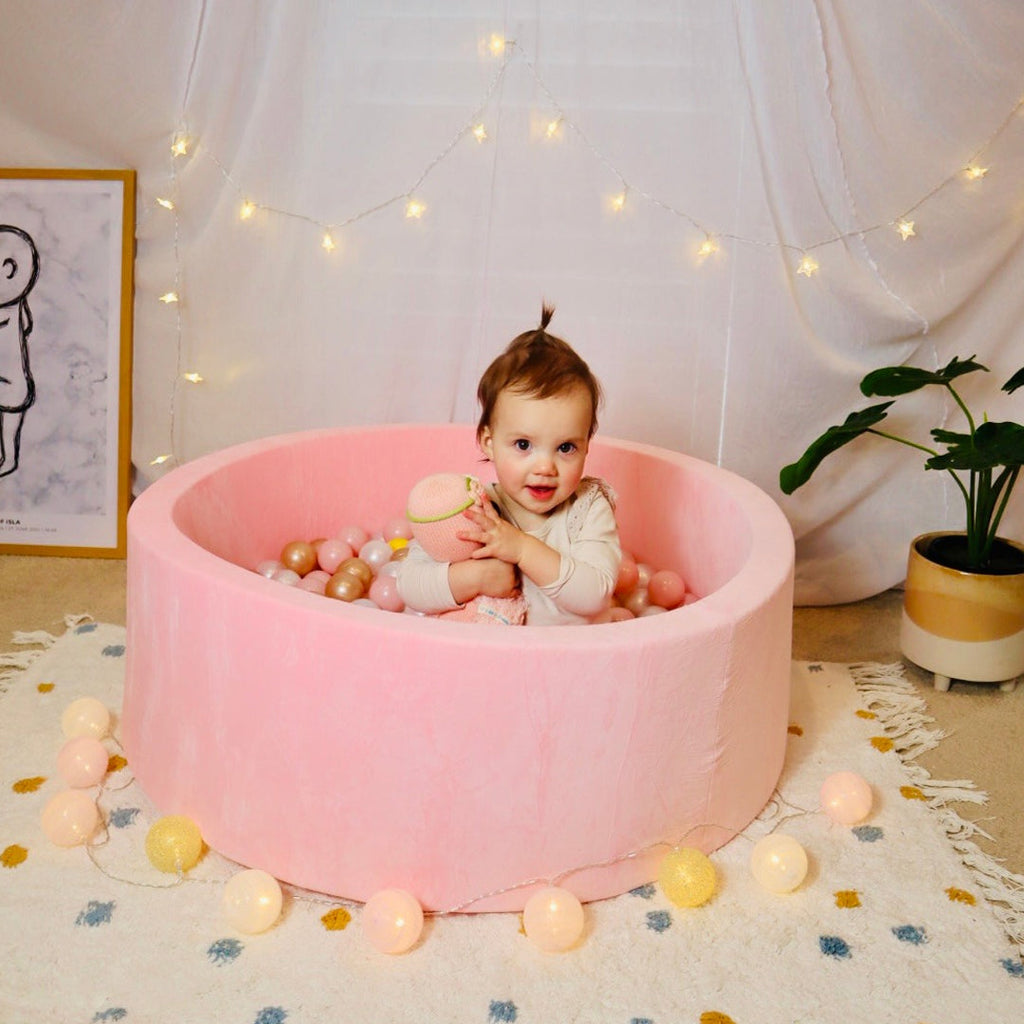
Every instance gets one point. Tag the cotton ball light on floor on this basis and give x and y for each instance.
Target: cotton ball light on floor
(252, 901)
(392, 921)
(85, 717)
(174, 844)
(779, 863)
(553, 919)
(82, 762)
(846, 798)
(687, 877)
(70, 818)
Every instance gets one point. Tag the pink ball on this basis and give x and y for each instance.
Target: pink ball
(376, 553)
(384, 593)
(82, 761)
(392, 921)
(314, 583)
(629, 576)
(70, 818)
(354, 536)
(667, 589)
(331, 553)
(846, 798)
(396, 527)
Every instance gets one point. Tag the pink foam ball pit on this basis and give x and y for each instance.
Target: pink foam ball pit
(348, 750)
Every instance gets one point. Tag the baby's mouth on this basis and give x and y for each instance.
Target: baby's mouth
(541, 493)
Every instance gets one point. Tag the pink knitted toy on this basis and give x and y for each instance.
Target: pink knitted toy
(434, 511)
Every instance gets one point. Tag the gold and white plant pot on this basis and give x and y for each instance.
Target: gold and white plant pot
(962, 625)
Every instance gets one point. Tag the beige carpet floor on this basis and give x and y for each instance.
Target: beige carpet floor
(984, 728)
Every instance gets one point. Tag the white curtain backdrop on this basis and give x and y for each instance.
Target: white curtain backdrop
(778, 129)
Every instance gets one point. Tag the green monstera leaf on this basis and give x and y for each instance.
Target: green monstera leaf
(892, 381)
(993, 444)
(798, 473)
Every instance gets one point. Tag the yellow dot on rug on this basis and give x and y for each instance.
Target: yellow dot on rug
(116, 763)
(28, 785)
(714, 1017)
(847, 899)
(961, 896)
(796, 730)
(13, 856)
(45, 687)
(869, 715)
(882, 743)
(336, 920)
(912, 793)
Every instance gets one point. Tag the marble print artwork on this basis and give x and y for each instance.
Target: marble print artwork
(64, 489)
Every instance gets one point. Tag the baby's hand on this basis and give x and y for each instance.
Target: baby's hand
(497, 538)
(488, 577)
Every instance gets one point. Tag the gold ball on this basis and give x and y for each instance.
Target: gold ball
(344, 586)
(687, 877)
(174, 843)
(358, 568)
(299, 556)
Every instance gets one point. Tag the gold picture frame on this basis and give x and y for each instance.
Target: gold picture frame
(67, 252)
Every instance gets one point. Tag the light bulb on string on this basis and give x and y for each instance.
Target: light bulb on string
(975, 172)
(246, 210)
(905, 228)
(496, 45)
(553, 128)
(327, 242)
(193, 378)
(180, 145)
(480, 133)
(169, 298)
(414, 209)
(167, 204)
(707, 248)
(617, 202)
(159, 460)
(808, 266)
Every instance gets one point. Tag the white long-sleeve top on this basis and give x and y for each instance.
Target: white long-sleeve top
(582, 530)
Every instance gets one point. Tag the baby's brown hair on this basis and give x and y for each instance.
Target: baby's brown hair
(538, 365)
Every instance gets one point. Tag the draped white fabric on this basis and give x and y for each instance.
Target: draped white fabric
(781, 129)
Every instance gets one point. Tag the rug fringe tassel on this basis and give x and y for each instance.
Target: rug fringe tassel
(903, 715)
(13, 663)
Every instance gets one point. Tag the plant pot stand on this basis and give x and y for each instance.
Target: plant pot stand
(962, 625)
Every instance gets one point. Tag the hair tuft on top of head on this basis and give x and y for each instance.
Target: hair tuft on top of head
(546, 313)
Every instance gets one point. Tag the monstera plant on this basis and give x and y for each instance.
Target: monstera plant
(963, 605)
(984, 460)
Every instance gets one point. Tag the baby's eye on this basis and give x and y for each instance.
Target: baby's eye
(522, 444)
(567, 447)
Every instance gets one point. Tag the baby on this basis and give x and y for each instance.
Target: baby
(547, 528)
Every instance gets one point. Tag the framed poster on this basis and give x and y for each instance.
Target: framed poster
(67, 246)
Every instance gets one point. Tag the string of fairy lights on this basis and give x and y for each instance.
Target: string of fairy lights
(552, 125)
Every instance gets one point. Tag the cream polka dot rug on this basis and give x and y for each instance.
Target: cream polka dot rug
(899, 919)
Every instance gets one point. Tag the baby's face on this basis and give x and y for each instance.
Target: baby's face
(539, 448)
(18, 265)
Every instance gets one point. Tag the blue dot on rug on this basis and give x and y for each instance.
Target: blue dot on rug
(832, 945)
(122, 817)
(113, 650)
(271, 1015)
(223, 951)
(868, 833)
(95, 914)
(502, 1012)
(659, 920)
(908, 933)
(1013, 967)
(645, 892)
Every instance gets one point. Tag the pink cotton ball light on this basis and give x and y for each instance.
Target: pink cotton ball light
(85, 717)
(70, 818)
(82, 762)
(392, 921)
(846, 798)
(553, 919)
